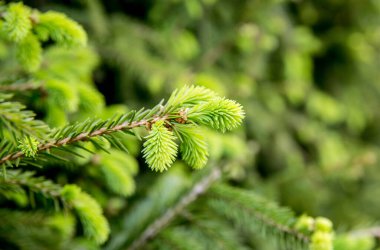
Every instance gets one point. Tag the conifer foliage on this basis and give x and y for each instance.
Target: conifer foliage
(28, 142)
(70, 162)
(28, 28)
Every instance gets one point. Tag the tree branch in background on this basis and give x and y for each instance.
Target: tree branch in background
(153, 229)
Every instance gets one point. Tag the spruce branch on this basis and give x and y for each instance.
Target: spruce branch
(198, 189)
(17, 121)
(23, 87)
(84, 136)
(90, 213)
(253, 212)
(160, 148)
(36, 184)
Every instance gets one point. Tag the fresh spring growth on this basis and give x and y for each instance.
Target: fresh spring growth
(186, 110)
(17, 23)
(60, 29)
(193, 148)
(305, 223)
(323, 225)
(27, 28)
(29, 53)
(29, 146)
(320, 230)
(321, 241)
(322, 238)
(219, 113)
(160, 149)
(89, 212)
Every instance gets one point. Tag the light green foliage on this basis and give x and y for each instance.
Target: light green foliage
(322, 237)
(321, 241)
(63, 223)
(17, 23)
(29, 53)
(189, 96)
(219, 113)
(348, 242)
(90, 100)
(27, 27)
(194, 104)
(118, 169)
(29, 146)
(193, 147)
(63, 95)
(94, 223)
(305, 223)
(160, 149)
(72, 95)
(308, 81)
(292, 65)
(323, 225)
(15, 121)
(319, 229)
(60, 29)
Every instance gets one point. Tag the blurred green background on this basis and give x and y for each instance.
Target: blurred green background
(306, 72)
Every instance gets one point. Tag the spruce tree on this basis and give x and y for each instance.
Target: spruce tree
(70, 162)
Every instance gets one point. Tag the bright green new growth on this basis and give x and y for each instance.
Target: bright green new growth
(60, 29)
(89, 212)
(323, 224)
(27, 28)
(220, 113)
(17, 23)
(29, 53)
(160, 149)
(187, 108)
(193, 147)
(118, 169)
(29, 146)
(322, 238)
(29, 142)
(321, 241)
(189, 96)
(17, 122)
(320, 231)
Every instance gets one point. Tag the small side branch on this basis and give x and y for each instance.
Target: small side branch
(23, 87)
(81, 137)
(36, 184)
(154, 228)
